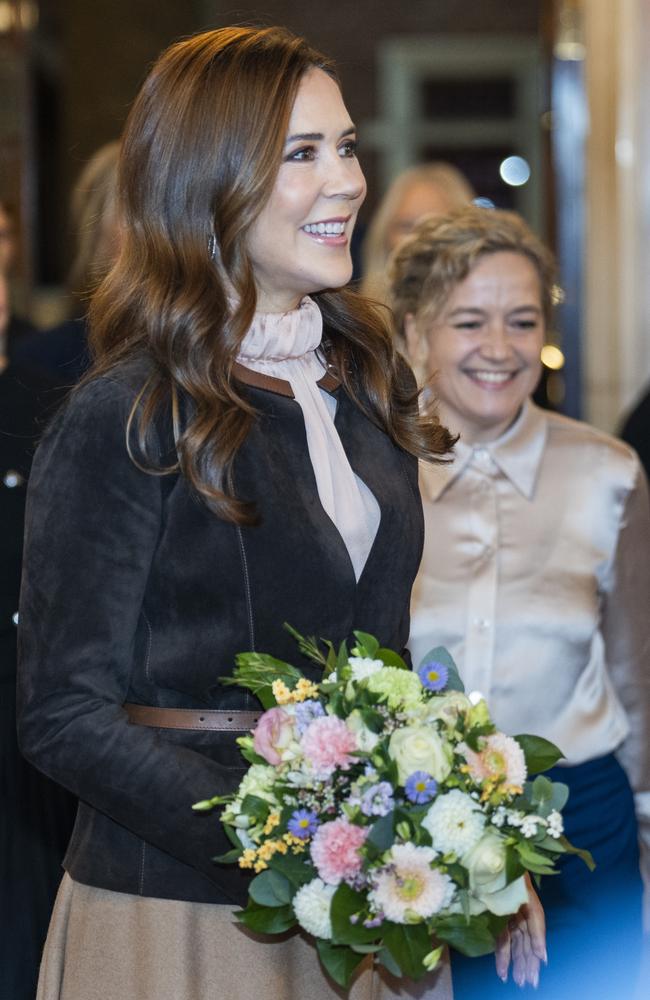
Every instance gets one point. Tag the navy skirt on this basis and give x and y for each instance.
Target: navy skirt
(593, 919)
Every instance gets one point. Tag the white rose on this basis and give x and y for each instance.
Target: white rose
(486, 866)
(419, 748)
(446, 707)
(366, 739)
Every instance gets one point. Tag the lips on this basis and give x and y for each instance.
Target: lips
(328, 231)
(491, 379)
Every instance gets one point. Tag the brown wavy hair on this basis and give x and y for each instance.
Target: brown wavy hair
(200, 154)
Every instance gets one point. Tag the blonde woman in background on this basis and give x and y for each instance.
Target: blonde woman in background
(427, 189)
(62, 351)
(535, 575)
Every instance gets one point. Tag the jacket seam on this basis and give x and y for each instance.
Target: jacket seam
(247, 587)
(147, 660)
(142, 864)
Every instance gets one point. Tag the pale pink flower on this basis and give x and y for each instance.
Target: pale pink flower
(335, 850)
(501, 760)
(327, 744)
(273, 734)
(409, 885)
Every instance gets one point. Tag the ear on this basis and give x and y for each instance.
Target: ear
(412, 338)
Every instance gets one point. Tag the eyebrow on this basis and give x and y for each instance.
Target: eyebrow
(481, 312)
(317, 136)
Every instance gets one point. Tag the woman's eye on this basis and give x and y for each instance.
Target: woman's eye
(525, 324)
(305, 153)
(349, 148)
(470, 324)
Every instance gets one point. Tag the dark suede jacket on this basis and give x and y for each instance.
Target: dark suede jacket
(134, 592)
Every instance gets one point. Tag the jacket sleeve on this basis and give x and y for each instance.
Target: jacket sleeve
(626, 632)
(92, 525)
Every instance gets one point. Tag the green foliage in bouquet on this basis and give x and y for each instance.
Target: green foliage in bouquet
(383, 812)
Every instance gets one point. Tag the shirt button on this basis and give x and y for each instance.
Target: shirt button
(14, 618)
(482, 624)
(12, 479)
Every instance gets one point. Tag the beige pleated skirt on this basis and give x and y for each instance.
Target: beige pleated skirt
(111, 946)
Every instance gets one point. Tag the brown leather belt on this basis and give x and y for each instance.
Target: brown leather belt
(219, 720)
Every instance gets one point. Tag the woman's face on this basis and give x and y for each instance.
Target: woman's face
(484, 346)
(422, 197)
(300, 243)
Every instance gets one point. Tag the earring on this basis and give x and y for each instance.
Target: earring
(212, 247)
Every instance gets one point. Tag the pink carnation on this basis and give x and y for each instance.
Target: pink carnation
(335, 850)
(273, 734)
(327, 744)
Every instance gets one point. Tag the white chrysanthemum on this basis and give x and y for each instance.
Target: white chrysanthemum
(363, 666)
(409, 886)
(311, 904)
(455, 822)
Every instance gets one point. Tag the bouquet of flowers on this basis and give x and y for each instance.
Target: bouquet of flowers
(383, 812)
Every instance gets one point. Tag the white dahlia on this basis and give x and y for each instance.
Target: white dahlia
(311, 904)
(455, 822)
(409, 887)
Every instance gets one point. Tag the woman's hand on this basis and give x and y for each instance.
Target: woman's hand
(523, 942)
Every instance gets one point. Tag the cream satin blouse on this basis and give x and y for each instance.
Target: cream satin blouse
(536, 577)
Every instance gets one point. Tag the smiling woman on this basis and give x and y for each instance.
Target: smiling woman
(535, 576)
(242, 454)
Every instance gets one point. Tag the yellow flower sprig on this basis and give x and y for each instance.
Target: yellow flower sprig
(303, 690)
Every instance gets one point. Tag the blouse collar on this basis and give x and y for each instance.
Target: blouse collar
(517, 453)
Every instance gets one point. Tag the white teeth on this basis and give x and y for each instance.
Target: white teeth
(495, 377)
(325, 228)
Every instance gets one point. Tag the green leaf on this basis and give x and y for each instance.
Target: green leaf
(442, 655)
(296, 868)
(473, 939)
(345, 904)
(540, 754)
(391, 659)
(533, 860)
(257, 671)
(255, 807)
(514, 867)
(308, 645)
(250, 755)
(342, 657)
(270, 888)
(367, 645)
(265, 919)
(389, 963)
(338, 961)
(382, 833)
(229, 857)
(579, 852)
(409, 946)
(372, 719)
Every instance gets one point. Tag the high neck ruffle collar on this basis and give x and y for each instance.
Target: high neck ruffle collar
(278, 337)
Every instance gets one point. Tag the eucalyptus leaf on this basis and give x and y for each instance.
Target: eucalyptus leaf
(442, 655)
(270, 888)
(267, 919)
(382, 832)
(338, 961)
(579, 852)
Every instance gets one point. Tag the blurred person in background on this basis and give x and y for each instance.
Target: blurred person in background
(36, 816)
(636, 429)
(535, 575)
(12, 328)
(63, 350)
(427, 189)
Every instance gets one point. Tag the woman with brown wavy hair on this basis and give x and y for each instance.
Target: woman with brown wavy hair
(243, 453)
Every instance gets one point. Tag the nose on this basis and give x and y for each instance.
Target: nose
(496, 345)
(344, 179)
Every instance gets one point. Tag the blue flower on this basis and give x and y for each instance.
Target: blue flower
(303, 823)
(433, 675)
(420, 787)
(378, 800)
(306, 712)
